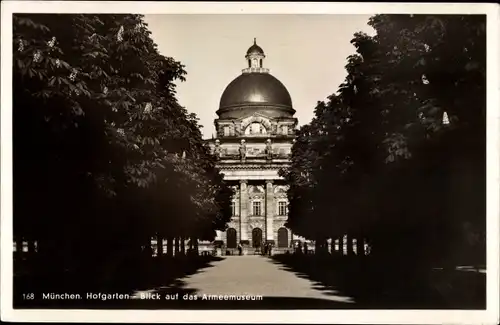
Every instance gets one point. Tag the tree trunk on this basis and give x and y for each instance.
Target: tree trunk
(159, 244)
(170, 244)
(19, 246)
(183, 246)
(359, 246)
(196, 250)
(351, 245)
(177, 246)
(321, 246)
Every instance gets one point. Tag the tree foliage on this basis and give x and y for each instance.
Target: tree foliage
(379, 161)
(104, 155)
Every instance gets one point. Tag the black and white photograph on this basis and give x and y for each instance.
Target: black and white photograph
(248, 157)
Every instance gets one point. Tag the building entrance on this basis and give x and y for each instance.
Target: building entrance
(256, 237)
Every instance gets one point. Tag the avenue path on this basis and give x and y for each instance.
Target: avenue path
(256, 275)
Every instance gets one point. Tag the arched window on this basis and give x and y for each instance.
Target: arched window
(231, 238)
(282, 237)
(255, 128)
(256, 237)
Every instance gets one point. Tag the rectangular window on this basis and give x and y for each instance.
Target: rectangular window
(233, 208)
(256, 208)
(282, 208)
(226, 130)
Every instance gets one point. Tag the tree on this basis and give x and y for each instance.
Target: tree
(381, 163)
(104, 154)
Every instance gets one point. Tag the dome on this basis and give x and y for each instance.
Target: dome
(252, 92)
(255, 90)
(255, 49)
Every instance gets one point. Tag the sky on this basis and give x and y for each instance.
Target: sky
(307, 53)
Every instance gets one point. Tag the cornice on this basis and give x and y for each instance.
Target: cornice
(253, 161)
(251, 167)
(257, 139)
(243, 106)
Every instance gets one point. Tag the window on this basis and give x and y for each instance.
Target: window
(282, 208)
(226, 130)
(256, 208)
(285, 129)
(233, 208)
(255, 128)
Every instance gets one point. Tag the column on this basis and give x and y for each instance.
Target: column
(243, 210)
(269, 210)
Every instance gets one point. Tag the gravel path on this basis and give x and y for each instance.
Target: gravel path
(256, 275)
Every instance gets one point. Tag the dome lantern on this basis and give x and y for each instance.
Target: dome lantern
(255, 59)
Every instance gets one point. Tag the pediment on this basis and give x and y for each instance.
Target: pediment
(254, 115)
(256, 118)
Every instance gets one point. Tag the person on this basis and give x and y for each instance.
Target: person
(240, 249)
(270, 249)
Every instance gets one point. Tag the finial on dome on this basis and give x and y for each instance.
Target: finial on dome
(255, 41)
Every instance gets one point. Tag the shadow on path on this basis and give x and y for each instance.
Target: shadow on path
(165, 288)
(388, 285)
(163, 284)
(96, 288)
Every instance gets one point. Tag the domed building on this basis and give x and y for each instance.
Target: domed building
(255, 131)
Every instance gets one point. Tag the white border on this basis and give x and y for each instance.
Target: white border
(490, 316)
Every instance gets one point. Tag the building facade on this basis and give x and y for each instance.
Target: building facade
(255, 133)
